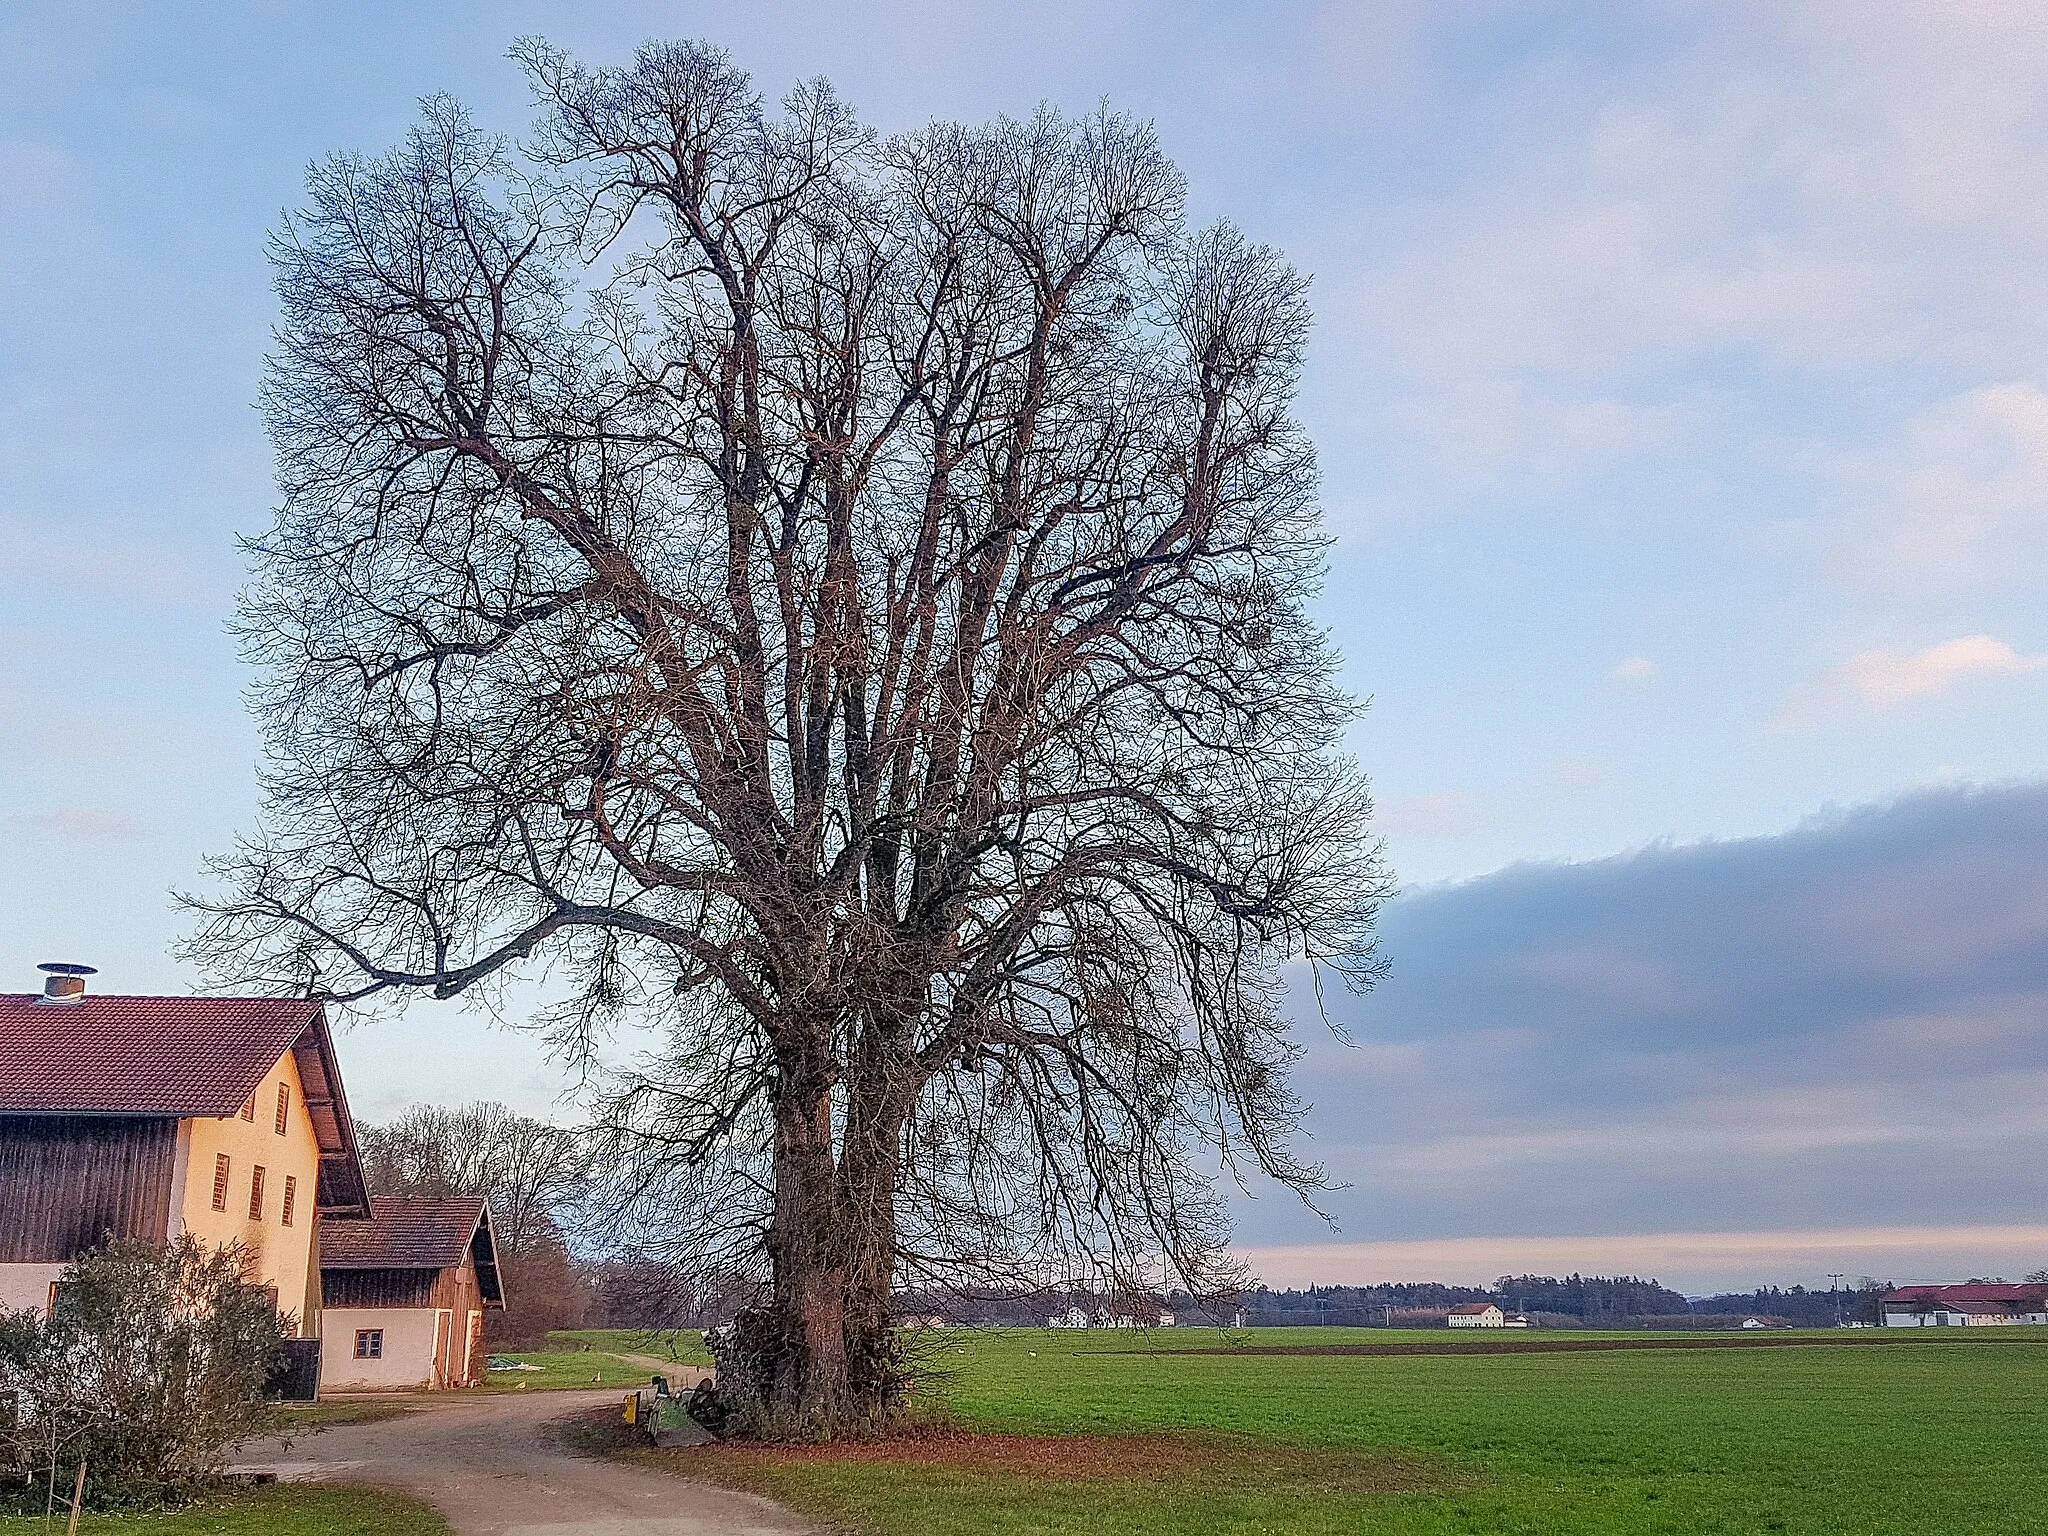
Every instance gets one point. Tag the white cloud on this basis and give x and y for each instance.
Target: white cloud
(1831, 197)
(1637, 669)
(1873, 681)
(1969, 497)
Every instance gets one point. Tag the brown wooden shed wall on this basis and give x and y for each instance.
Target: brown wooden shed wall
(67, 1182)
(378, 1287)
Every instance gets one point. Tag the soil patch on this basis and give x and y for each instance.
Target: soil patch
(1565, 1344)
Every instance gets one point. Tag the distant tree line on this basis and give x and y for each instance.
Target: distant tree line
(1587, 1301)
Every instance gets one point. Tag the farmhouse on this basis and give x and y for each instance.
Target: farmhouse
(1964, 1306)
(1478, 1314)
(149, 1117)
(406, 1294)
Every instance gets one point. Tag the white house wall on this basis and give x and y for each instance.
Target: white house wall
(26, 1287)
(409, 1339)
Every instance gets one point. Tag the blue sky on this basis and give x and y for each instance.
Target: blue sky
(1679, 381)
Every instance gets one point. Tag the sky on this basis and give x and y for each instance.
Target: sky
(1681, 389)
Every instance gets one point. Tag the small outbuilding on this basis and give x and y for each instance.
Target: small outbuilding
(404, 1296)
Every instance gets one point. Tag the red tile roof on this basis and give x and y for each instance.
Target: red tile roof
(179, 1058)
(405, 1233)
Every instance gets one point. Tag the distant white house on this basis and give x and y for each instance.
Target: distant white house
(1754, 1322)
(1965, 1306)
(1479, 1314)
(1075, 1317)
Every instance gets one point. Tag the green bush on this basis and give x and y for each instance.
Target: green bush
(149, 1368)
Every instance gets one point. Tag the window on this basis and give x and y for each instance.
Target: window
(256, 1194)
(291, 1199)
(220, 1181)
(249, 1109)
(369, 1343)
(284, 1106)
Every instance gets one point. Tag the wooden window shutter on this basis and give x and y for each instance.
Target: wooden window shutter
(249, 1108)
(284, 1106)
(291, 1199)
(256, 1194)
(220, 1181)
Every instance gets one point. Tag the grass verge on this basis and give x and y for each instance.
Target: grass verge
(310, 1418)
(284, 1510)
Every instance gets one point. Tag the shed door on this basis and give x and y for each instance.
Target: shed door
(441, 1320)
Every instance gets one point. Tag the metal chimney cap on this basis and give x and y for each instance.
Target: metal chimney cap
(66, 982)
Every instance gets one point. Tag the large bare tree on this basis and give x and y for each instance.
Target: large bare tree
(838, 603)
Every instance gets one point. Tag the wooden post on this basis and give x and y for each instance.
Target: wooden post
(77, 1498)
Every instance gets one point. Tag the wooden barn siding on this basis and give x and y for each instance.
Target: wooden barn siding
(456, 1288)
(378, 1287)
(68, 1181)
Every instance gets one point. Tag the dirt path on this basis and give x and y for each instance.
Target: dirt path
(491, 1465)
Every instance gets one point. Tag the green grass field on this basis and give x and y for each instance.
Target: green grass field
(1923, 1435)
(685, 1346)
(566, 1369)
(279, 1511)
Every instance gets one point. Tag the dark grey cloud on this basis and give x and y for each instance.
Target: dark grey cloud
(1843, 1025)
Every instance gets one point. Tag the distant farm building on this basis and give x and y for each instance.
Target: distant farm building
(406, 1294)
(1479, 1314)
(1964, 1306)
(1103, 1317)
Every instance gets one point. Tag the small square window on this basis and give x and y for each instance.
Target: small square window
(369, 1343)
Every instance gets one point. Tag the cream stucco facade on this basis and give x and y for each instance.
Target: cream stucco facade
(26, 1287)
(415, 1342)
(284, 1254)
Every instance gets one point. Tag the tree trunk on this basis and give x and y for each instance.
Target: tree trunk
(867, 1192)
(820, 1361)
(805, 1383)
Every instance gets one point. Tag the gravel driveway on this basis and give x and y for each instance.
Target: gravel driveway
(491, 1467)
